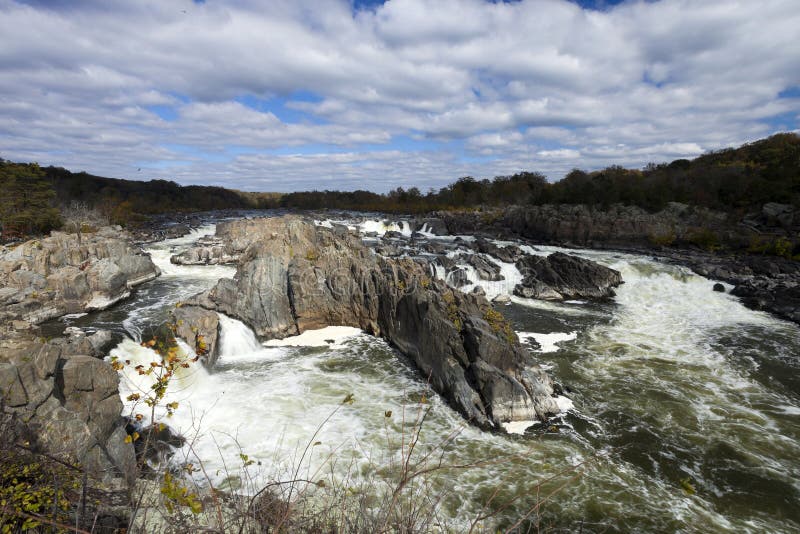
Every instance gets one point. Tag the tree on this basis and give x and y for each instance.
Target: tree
(26, 205)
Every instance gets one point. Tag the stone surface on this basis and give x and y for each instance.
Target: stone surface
(69, 273)
(561, 276)
(209, 250)
(68, 399)
(294, 277)
(199, 327)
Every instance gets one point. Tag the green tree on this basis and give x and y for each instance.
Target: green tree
(26, 205)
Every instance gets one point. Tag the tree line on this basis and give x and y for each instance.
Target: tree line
(733, 179)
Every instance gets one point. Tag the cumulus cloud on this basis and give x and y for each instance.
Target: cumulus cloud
(299, 94)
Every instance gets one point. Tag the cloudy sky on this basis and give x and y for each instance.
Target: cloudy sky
(282, 95)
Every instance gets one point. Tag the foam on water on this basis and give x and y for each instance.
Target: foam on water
(547, 342)
(383, 226)
(330, 336)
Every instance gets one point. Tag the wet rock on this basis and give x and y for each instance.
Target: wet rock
(431, 225)
(199, 328)
(487, 270)
(294, 277)
(506, 254)
(719, 288)
(457, 277)
(617, 225)
(561, 276)
(502, 298)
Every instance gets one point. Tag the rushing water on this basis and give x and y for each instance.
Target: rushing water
(685, 405)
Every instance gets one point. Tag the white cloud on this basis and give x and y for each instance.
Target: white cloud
(536, 84)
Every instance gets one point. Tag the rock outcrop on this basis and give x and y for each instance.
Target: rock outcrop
(582, 225)
(199, 327)
(294, 277)
(209, 250)
(562, 276)
(68, 398)
(69, 273)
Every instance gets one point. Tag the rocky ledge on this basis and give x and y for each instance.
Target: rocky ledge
(294, 276)
(65, 400)
(69, 273)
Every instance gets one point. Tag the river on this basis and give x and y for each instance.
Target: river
(682, 407)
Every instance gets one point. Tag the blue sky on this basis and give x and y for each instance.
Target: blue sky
(334, 94)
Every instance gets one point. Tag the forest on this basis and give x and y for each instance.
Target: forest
(733, 179)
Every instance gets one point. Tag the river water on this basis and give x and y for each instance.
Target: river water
(682, 408)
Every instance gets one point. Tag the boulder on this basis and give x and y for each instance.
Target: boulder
(457, 277)
(199, 328)
(431, 225)
(507, 254)
(294, 277)
(68, 399)
(561, 276)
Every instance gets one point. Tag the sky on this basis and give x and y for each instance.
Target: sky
(288, 95)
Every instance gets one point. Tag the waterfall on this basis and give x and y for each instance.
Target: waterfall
(236, 338)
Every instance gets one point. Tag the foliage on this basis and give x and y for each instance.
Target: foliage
(499, 324)
(704, 238)
(26, 203)
(452, 309)
(35, 490)
(772, 247)
(732, 179)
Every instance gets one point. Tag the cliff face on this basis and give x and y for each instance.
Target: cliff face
(577, 224)
(69, 273)
(294, 276)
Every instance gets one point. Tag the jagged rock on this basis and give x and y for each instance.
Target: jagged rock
(69, 273)
(561, 276)
(199, 327)
(69, 400)
(457, 277)
(616, 225)
(209, 250)
(294, 277)
(487, 270)
(507, 254)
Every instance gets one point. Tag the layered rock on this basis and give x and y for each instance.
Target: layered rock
(68, 398)
(209, 250)
(294, 277)
(562, 276)
(69, 273)
(614, 226)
